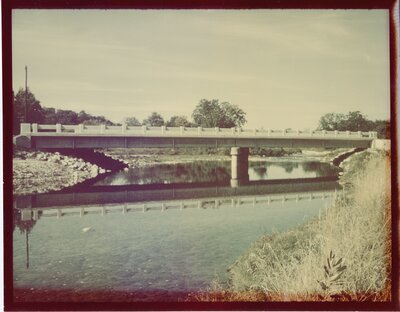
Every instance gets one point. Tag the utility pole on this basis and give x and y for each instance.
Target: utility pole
(26, 93)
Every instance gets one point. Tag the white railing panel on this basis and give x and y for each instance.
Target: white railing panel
(69, 127)
(46, 127)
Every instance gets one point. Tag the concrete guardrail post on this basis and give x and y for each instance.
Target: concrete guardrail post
(26, 214)
(34, 128)
(233, 129)
(359, 134)
(324, 132)
(348, 133)
(311, 132)
(181, 129)
(297, 132)
(58, 128)
(336, 133)
(144, 129)
(124, 127)
(25, 128)
(284, 132)
(268, 131)
(162, 129)
(216, 129)
(80, 128)
(102, 129)
(255, 131)
(199, 129)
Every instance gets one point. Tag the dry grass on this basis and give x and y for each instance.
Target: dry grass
(343, 255)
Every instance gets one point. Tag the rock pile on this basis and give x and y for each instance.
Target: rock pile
(38, 171)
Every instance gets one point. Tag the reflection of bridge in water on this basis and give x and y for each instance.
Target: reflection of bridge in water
(180, 196)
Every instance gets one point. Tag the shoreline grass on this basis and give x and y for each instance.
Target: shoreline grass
(343, 255)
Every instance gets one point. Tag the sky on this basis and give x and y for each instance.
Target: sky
(284, 68)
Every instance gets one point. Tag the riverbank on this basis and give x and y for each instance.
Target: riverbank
(342, 255)
(40, 172)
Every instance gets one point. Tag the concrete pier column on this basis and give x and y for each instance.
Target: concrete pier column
(239, 165)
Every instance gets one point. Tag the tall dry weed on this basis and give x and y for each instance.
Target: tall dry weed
(342, 255)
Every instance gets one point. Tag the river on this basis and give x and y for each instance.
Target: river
(169, 227)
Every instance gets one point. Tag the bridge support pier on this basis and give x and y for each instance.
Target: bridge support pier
(239, 165)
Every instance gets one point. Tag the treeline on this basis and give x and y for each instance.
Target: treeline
(33, 112)
(206, 114)
(354, 121)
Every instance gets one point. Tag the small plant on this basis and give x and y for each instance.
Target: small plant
(333, 270)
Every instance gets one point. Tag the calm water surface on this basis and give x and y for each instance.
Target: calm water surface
(175, 249)
(210, 171)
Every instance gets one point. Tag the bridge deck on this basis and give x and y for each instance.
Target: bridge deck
(102, 136)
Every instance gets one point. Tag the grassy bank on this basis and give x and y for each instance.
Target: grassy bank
(344, 254)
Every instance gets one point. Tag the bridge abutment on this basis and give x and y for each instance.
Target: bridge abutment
(239, 165)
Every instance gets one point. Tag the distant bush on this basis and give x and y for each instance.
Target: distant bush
(354, 121)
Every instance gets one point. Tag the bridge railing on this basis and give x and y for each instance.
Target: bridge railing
(33, 129)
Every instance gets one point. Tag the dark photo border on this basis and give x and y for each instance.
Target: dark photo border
(9, 5)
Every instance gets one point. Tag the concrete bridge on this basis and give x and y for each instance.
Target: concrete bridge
(102, 136)
(129, 198)
(239, 140)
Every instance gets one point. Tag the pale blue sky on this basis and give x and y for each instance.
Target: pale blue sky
(285, 68)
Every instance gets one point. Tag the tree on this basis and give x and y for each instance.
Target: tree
(132, 121)
(50, 115)
(33, 110)
(35, 113)
(232, 116)
(155, 120)
(331, 121)
(383, 128)
(354, 121)
(98, 120)
(214, 114)
(178, 121)
(67, 117)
